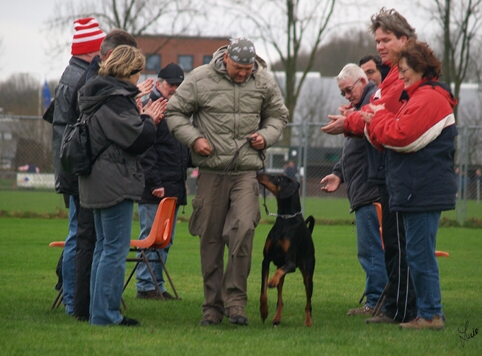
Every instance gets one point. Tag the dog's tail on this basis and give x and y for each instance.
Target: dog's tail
(310, 223)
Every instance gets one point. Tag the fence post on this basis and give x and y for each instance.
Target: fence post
(304, 129)
(463, 158)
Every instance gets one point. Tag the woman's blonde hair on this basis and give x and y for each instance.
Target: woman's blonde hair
(123, 62)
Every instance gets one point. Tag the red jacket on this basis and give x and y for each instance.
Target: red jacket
(418, 122)
(420, 149)
(388, 93)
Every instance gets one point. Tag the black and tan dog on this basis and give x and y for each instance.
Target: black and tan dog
(289, 244)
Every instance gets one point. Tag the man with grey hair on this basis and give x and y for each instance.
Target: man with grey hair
(350, 169)
(391, 31)
(237, 112)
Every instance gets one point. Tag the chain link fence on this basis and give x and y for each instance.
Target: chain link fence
(26, 159)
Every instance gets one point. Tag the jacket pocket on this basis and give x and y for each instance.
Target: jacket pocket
(195, 222)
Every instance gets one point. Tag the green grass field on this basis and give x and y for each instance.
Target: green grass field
(29, 327)
(47, 204)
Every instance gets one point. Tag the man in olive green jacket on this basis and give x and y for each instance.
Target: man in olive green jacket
(227, 112)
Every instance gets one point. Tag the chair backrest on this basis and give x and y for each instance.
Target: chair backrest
(160, 234)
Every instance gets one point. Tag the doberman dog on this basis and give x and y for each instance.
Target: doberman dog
(289, 244)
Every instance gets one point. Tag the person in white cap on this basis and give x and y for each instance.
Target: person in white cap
(85, 46)
(237, 112)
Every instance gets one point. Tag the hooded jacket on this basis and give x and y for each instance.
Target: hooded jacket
(117, 174)
(226, 114)
(420, 148)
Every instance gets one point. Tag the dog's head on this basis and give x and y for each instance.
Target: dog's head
(280, 185)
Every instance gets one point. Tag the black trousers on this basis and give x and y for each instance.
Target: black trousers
(401, 302)
(86, 239)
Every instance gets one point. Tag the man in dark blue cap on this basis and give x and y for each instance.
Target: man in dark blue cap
(164, 165)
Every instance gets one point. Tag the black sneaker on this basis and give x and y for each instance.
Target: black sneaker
(236, 315)
(129, 322)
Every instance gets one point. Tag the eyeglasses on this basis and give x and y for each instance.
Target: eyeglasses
(349, 90)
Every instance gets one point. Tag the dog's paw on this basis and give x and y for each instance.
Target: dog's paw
(264, 313)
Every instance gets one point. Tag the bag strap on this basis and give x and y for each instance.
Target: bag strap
(100, 152)
(86, 124)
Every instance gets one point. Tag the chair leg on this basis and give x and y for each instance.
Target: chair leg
(168, 276)
(381, 301)
(362, 297)
(58, 299)
(154, 280)
(132, 273)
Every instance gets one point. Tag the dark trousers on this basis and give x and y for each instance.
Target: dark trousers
(401, 302)
(86, 239)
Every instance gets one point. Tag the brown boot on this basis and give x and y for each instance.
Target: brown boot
(361, 311)
(381, 319)
(150, 294)
(436, 323)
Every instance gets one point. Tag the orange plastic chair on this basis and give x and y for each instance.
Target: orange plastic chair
(58, 299)
(158, 238)
(378, 206)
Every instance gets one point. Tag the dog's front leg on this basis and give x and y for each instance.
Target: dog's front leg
(263, 299)
(280, 273)
(279, 306)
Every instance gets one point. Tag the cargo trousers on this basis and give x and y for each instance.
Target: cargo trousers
(225, 214)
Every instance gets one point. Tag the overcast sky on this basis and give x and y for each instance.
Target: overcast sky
(25, 46)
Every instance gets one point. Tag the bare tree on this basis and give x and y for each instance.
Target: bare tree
(460, 21)
(290, 27)
(347, 47)
(134, 16)
(20, 95)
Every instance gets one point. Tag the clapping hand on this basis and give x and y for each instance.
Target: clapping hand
(346, 109)
(336, 126)
(145, 87)
(368, 115)
(155, 109)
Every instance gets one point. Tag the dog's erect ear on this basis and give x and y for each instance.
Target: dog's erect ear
(289, 189)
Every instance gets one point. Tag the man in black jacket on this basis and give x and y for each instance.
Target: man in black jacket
(164, 165)
(86, 43)
(86, 236)
(350, 170)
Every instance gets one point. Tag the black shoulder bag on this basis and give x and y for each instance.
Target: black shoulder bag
(75, 152)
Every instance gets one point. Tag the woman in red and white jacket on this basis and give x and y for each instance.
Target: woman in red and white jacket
(420, 147)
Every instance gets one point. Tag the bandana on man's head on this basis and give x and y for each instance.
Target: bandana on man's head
(242, 51)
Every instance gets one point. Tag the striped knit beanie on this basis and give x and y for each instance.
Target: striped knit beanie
(87, 37)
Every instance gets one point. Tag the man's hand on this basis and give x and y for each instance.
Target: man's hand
(332, 182)
(367, 115)
(346, 109)
(335, 127)
(201, 146)
(159, 192)
(145, 87)
(257, 141)
(155, 109)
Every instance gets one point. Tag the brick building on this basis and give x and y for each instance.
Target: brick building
(188, 52)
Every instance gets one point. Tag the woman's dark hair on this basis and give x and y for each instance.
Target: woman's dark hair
(421, 59)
